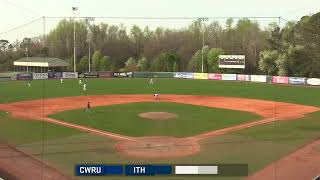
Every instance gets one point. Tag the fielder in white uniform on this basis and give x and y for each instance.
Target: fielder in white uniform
(80, 82)
(29, 83)
(84, 87)
(151, 81)
(156, 96)
(61, 80)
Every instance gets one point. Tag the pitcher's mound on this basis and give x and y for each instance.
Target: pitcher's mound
(158, 115)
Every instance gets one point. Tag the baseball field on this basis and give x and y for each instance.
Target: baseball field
(272, 128)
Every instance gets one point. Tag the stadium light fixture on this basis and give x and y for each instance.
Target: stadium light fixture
(74, 9)
(89, 41)
(203, 19)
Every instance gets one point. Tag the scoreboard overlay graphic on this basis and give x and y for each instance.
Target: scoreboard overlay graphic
(154, 170)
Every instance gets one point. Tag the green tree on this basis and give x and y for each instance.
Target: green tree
(142, 64)
(105, 63)
(295, 61)
(195, 64)
(137, 37)
(82, 66)
(213, 59)
(131, 65)
(274, 37)
(3, 44)
(175, 67)
(267, 62)
(195, 33)
(96, 58)
(165, 62)
(282, 65)
(159, 64)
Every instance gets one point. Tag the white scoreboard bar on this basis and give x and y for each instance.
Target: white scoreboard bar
(187, 170)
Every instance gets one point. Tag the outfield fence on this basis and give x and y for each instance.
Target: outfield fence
(179, 75)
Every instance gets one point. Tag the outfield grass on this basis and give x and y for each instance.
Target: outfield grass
(123, 119)
(18, 90)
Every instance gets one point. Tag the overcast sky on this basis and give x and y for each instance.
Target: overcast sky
(17, 12)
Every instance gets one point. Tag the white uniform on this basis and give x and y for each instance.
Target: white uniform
(151, 81)
(61, 80)
(29, 84)
(84, 87)
(155, 96)
(80, 82)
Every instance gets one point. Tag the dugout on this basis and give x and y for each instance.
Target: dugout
(39, 64)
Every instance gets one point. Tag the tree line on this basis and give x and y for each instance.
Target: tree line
(292, 50)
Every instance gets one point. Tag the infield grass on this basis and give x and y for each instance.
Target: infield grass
(123, 119)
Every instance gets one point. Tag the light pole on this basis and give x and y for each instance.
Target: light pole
(27, 59)
(89, 57)
(202, 25)
(89, 41)
(74, 9)
(26, 42)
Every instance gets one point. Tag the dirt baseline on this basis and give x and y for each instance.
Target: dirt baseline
(158, 147)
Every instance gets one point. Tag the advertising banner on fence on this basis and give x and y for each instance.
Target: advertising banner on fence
(70, 75)
(50, 75)
(14, 77)
(188, 75)
(313, 81)
(297, 80)
(54, 75)
(184, 75)
(122, 74)
(280, 80)
(243, 77)
(269, 79)
(258, 78)
(215, 76)
(5, 78)
(229, 77)
(90, 75)
(178, 75)
(39, 75)
(200, 75)
(25, 76)
(58, 75)
(105, 74)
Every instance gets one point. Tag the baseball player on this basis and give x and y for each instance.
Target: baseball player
(156, 96)
(84, 86)
(151, 81)
(80, 81)
(61, 80)
(29, 83)
(88, 107)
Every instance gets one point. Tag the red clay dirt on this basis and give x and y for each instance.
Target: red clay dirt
(158, 116)
(158, 147)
